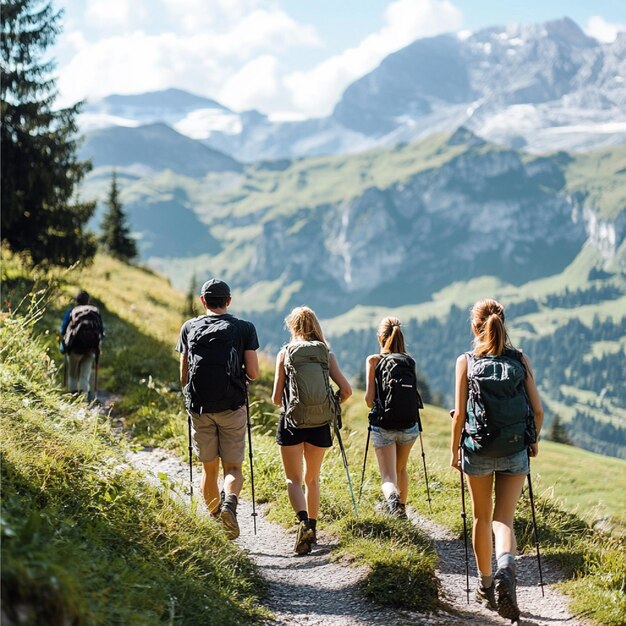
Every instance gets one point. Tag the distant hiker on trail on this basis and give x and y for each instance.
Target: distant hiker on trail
(217, 355)
(496, 423)
(81, 333)
(391, 392)
(309, 409)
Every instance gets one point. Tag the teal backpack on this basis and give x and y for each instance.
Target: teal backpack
(500, 419)
(311, 401)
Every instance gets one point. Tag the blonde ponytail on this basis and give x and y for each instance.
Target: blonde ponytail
(303, 324)
(390, 336)
(491, 336)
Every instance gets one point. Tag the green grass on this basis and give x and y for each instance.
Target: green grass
(600, 176)
(84, 539)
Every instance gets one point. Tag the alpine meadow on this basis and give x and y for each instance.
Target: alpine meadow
(169, 168)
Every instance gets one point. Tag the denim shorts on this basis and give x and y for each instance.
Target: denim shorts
(382, 437)
(476, 464)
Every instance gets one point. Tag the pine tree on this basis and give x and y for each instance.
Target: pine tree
(115, 236)
(191, 309)
(40, 168)
(558, 432)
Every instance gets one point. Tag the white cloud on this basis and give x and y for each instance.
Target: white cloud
(253, 85)
(196, 15)
(603, 31)
(133, 63)
(207, 60)
(316, 91)
(264, 29)
(106, 13)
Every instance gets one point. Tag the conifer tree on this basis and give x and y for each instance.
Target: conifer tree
(191, 309)
(40, 168)
(115, 236)
(558, 432)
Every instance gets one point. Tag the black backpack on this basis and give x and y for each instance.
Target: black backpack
(500, 419)
(215, 378)
(397, 399)
(84, 330)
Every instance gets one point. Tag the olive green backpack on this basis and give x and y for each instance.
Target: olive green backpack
(311, 401)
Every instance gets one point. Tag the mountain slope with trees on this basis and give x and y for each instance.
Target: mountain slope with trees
(359, 235)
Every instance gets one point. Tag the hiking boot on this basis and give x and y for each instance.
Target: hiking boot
(487, 596)
(228, 517)
(304, 539)
(401, 511)
(504, 583)
(394, 506)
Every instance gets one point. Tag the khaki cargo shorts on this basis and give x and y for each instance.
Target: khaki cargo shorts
(220, 434)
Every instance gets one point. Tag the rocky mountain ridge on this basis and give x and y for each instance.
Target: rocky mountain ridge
(539, 87)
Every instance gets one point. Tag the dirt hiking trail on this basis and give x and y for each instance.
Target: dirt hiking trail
(313, 589)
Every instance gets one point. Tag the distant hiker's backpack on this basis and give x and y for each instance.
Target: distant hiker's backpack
(311, 401)
(500, 419)
(215, 378)
(84, 330)
(397, 399)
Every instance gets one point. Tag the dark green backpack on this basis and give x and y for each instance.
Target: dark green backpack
(500, 419)
(311, 400)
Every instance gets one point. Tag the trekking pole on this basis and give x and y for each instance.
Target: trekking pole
(532, 508)
(464, 516)
(190, 457)
(430, 508)
(345, 464)
(254, 513)
(367, 443)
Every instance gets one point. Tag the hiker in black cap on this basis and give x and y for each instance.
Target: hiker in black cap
(81, 333)
(496, 422)
(217, 355)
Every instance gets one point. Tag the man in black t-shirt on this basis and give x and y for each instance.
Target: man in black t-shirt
(217, 355)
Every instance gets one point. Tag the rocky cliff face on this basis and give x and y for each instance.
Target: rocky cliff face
(485, 212)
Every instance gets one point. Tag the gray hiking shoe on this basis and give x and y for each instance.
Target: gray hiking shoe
(487, 596)
(305, 538)
(228, 517)
(394, 508)
(506, 597)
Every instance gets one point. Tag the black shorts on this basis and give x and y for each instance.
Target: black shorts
(318, 436)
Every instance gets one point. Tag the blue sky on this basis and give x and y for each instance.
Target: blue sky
(288, 58)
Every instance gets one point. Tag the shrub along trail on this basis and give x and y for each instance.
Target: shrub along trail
(313, 589)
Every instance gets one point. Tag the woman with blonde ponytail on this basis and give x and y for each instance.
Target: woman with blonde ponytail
(496, 422)
(391, 392)
(304, 429)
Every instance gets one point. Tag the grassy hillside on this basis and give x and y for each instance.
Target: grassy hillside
(142, 314)
(84, 539)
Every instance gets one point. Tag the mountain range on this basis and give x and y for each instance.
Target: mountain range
(539, 87)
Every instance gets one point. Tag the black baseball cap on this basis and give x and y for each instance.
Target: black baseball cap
(215, 288)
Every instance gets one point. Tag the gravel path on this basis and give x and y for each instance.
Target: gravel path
(313, 590)
(535, 609)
